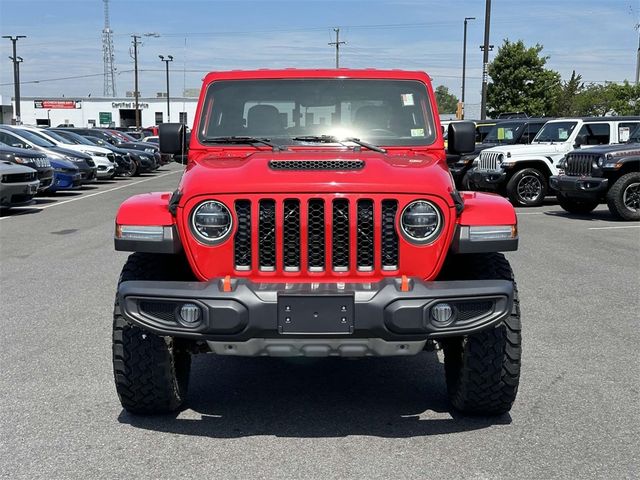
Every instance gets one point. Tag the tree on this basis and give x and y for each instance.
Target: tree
(566, 104)
(520, 82)
(447, 102)
(609, 99)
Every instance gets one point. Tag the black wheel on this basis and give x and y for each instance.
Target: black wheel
(131, 169)
(151, 372)
(483, 370)
(527, 188)
(466, 183)
(576, 205)
(623, 198)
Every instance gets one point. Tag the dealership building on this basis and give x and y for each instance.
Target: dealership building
(101, 111)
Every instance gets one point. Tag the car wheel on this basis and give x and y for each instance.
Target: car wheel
(527, 188)
(623, 198)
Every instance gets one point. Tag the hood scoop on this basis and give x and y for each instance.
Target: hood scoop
(340, 164)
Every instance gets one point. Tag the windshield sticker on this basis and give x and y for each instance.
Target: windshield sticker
(501, 134)
(563, 133)
(508, 134)
(417, 132)
(407, 99)
(624, 133)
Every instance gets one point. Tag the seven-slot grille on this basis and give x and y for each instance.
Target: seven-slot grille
(316, 234)
(489, 161)
(579, 164)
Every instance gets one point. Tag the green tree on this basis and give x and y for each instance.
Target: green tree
(520, 82)
(447, 101)
(566, 104)
(609, 99)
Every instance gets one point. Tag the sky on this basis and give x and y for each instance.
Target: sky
(595, 37)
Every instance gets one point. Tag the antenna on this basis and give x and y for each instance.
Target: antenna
(108, 55)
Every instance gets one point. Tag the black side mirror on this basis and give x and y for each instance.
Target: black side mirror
(173, 138)
(580, 140)
(461, 137)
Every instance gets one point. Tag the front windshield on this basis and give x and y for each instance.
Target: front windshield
(38, 140)
(505, 132)
(74, 138)
(59, 138)
(555, 132)
(386, 112)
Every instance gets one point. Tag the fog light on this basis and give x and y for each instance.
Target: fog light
(190, 314)
(442, 314)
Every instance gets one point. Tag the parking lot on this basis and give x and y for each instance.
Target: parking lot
(576, 415)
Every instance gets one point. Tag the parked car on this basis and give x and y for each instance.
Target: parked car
(320, 245)
(18, 185)
(28, 158)
(508, 132)
(27, 140)
(66, 176)
(102, 158)
(608, 173)
(522, 171)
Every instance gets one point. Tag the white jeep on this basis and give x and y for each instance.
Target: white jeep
(522, 171)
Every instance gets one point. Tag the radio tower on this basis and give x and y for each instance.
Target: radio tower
(107, 55)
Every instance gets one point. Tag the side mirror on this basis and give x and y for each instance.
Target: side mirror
(461, 137)
(173, 138)
(580, 140)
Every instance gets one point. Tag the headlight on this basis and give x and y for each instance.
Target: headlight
(211, 222)
(601, 160)
(23, 161)
(501, 157)
(421, 222)
(150, 150)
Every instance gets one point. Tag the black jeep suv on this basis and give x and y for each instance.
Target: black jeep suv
(609, 173)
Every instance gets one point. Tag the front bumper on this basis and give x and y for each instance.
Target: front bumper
(487, 179)
(18, 194)
(65, 181)
(297, 316)
(583, 187)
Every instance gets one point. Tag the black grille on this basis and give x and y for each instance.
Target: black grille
(316, 164)
(340, 235)
(291, 232)
(389, 235)
(469, 310)
(579, 164)
(242, 240)
(162, 310)
(316, 237)
(365, 235)
(19, 177)
(267, 235)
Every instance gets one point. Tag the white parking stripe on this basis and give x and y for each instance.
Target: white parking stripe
(614, 228)
(84, 197)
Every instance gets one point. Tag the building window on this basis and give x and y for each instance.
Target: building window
(158, 118)
(183, 117)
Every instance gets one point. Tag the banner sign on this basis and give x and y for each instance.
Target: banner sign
(58, 104)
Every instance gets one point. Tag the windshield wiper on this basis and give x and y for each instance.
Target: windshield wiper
(247, 140)
(334, 139)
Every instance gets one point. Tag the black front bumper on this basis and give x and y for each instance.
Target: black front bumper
(487, 179)
(259, 310)
(583, 187)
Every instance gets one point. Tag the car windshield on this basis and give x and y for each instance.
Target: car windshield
(385, 112)
(34, 138)
(73, 137)
(59, 138)
(555, 132)
(505, 132)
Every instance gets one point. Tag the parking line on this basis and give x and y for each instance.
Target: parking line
(99, 193)
(614, 228)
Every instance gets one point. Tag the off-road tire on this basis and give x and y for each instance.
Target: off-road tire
(615, 197)
(515, 185)
(151, 372)
(483, 370)
(577, 205)
(466, 183)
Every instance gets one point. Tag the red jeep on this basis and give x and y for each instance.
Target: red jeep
(316, 217)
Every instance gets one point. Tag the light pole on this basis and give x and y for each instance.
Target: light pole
(166, 62)
(485, 59)
(16, 74)
(464, 59)
(135, 43)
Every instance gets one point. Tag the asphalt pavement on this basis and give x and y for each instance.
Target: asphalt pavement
(577, 414)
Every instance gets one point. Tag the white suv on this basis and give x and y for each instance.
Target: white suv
(522, 171)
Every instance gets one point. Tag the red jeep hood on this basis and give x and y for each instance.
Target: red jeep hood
(212, 173)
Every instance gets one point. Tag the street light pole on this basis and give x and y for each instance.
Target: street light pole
(166, 62)
(485, 59)
(16, 74)
(464, 59)
(136, 94)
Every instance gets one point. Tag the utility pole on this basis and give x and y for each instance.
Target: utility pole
(464, 60)
(136, 93)
(166, 61)
(485, 60)
(337, 43)
(638, 57)
(16, 75)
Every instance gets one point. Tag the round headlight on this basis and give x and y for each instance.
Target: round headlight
(421, 221)
(601, 160)
(501, 157)
(211, 222)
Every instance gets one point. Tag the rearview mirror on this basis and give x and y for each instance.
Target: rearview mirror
(461, 137)
(173, 138)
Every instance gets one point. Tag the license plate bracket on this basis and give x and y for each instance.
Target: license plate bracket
(316, 314)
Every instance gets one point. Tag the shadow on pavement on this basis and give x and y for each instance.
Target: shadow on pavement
(302, 397)
(595, 216)
(17, 211)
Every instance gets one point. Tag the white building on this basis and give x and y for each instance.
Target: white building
(103, 111)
